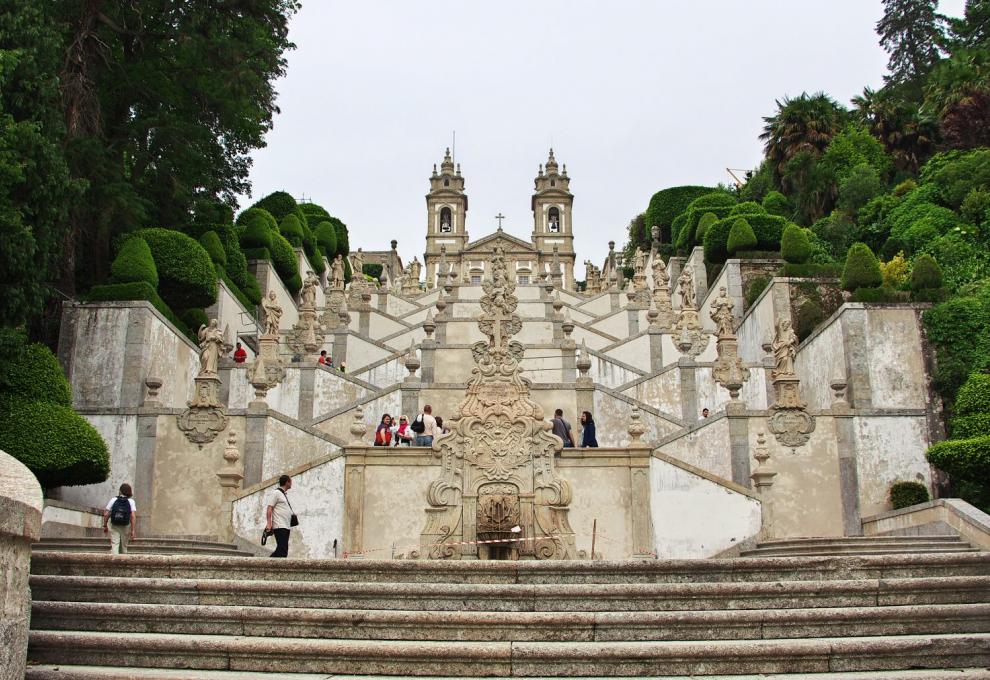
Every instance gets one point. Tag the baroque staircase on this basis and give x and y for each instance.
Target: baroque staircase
(898, 616)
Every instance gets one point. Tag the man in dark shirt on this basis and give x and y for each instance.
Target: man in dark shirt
(562, 429)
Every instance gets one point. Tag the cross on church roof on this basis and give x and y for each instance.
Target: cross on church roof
(500, 217)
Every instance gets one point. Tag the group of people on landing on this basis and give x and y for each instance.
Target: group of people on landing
(425, 427)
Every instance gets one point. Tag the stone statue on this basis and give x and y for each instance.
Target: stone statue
(589, 271)
(273, 313)
(639, 262)
(357, 262)
(686, 282)
(308, 293)
(211, 346)
(784, 347)
(337, 272)
(721, 314)
(414, 269)
(661, 279)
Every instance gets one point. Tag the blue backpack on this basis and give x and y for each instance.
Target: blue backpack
(120, 512)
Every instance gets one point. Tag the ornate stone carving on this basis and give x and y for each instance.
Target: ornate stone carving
(410, 285)
(789, 420)
(728, 370)
(689, 335)
(205, 416)
(499, 437)
(268, 370)
(784, 347)
(661, 294)
(273, 314)
(685, 284)
(307, 336)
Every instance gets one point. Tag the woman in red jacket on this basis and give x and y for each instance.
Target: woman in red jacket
(383, 435)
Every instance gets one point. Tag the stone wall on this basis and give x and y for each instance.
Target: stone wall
(20, 524)
(229, 312)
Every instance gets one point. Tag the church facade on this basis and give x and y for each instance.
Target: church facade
(450, 252)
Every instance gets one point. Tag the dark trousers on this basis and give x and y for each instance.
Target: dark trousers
(281, 543)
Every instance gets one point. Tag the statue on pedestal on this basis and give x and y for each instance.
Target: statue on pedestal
(686, 283)
(211, 347)
(721, 314)
(337, 272)
(273, 313)
(308, 294)
(784, 347)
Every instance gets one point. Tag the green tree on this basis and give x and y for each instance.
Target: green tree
(862, 269)
(911, 31)
(806, 123)
(163, 102)
(741, 237)
(908, 136)
(795, 245)
(35, 190)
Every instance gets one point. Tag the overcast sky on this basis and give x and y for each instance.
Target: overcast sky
(634, 96)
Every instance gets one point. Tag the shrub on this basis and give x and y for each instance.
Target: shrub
(185, 273)
(279, 204)
(257, 233)
(862, 269)
(252, 215)
(194, 318)
(747, 208)
(858, 188)
(795, 246)
(314, 213)
(867, 294)
(211, 244)
(717, 202)
(767, 228)
(807, 318)
(966, 427)
(812, 271)
(956, 173)
(286, 264)
(895, 272)
(906, 494)
(54, 442)
(292, 230)
(975, 208)
(706, 221)
(959, 328)
(326, 238)
(963, 459)
(930, 295)
(776, 203)
(31, 371)
(139, 290)
(666, 204)
(741, 236)
(134, 263)
(974, 396)
(962, 262)
(374, 270)
(756, 288)
(925, 273)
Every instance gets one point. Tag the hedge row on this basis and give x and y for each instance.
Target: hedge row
(139, 290)
(134, 263)
(767, 228)
(963, 459)
(186, 275)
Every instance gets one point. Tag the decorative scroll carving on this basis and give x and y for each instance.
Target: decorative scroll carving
(789, 420)
(205, 416)
(499, 456)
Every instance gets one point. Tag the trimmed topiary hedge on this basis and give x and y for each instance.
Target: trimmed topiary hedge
(862, 269)
(776, 203)
(194, 318)
(210, 241)
(768, 230)
(717, 202)
(54, 442)
(795, 245)
(877, 294)
(186, 277)
(133, 263)
(741, 236)
(706, 221)
(326, 238)
(963, 459)
(906, 494)
(747, 208)
(286, 264)
(257, 234)
(666, 204)
(31, 371)
(925, 273)
(974, 396)
(291, 228)
(966, 427)
(812, 271)
(139, 290)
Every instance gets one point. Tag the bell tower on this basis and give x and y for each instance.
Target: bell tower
(551, 203)
(446, 213)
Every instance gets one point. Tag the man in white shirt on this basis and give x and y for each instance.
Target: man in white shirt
(278, 516)
(119, 520)
(425, 438)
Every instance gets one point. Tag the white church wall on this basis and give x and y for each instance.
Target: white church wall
(284, 397)
(820, 359)
(612, 418)
(535, 333)
(361, 353)
(635, 352)
(591, 338)
(895, 358)
(463, 332)
(418, 316)
(531, 309)
(384, 374)
(671, 354)
(601, 496)
(757, 327)
(706, 447)
(889, 449)
(169, 357)
(579, 316)
(399, 307)
(380, 325)
(339, 426)
(696, 516)
(596, 306)
(332, 391)
(609, 373)
(386, 488)
(545, 367)
(464, 310)
(288, 447)
(120, 434)
(240, 391)
(714, 397)
(317, 497)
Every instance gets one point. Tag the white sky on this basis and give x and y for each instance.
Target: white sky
(635, 95)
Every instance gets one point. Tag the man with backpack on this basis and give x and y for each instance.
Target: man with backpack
(120, 514)
(424, 427)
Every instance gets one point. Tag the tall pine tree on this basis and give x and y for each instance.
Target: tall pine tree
(912, 32)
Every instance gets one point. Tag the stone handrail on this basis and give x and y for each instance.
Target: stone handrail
(971, 523)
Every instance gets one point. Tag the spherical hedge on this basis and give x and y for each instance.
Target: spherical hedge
(326, 238)
(925, 273)
(291, 228)
(315, 214)
(286, 264)
(776, 203)
(862, 269)
(741, 237)
(210, 241)
(54, 442)
(31, 371)
(279, 204)
(257, 233)
(133, 263)
(795, 246)
(343, 242)
(974, 396)
(906, 494)
(966, 427)
(706, 221)
(185, 272)
(255, 214)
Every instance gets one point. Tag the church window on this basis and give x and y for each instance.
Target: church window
(553, 220)
(475, 279)
(523, 279)
(445, 220)
(553, 183)
(446, 182)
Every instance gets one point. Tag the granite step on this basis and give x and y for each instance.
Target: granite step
(814, 569)
(150, 545)
(511, 626)
(70, 672)
(505, 659)
(516, 597)
(859, 545)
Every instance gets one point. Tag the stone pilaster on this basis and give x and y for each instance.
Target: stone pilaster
(307, 386)
(735, 411)
(656, 349)
(428, 352)
(689, 388)
(136, 349)
(763, 483)
(339, 347)
(845, 441)
(144, 461)
(255, 424)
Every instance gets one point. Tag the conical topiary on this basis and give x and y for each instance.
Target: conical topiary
(862, 269)
(795, 246)
(741, 237)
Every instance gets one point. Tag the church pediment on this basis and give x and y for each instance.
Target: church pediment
(509, 244)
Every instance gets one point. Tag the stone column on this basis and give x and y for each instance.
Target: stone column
(307, 387)
(255, 423)
(632, 313)
(639, 483)
(735, 411)
(584, 386)
(689, 389)
(20, 524)
(763, 482)
(845, 439)
(230, 479)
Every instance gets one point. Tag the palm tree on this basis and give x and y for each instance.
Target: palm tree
(898, 123)
(802, 124)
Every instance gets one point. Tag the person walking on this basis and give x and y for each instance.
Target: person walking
(588, 439)
(121, 515)
(562, 429)
(279, 518)
(425, 427)
(383, 435)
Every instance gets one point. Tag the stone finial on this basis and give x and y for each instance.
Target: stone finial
(153, 385)
(558, 304)
(653, 314)
(230, 453)
(429, 325)
(441, 303)
(583, 363)
(412, 362)
(359, 428)
(636, 429)
(839, 386)
(568, 325)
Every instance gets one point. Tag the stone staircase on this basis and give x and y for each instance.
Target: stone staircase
(860, 545)
(145, 545)
(150, 616)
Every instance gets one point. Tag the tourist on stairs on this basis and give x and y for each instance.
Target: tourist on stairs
(279, 517)
(588, 439)
(383, 435)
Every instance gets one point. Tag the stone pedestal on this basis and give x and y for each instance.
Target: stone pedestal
(205, 416)
(728, 370)
(230, 479)
(789, 422)
(763, 483)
